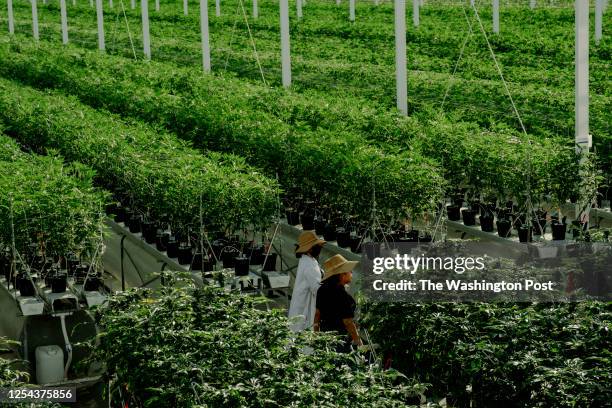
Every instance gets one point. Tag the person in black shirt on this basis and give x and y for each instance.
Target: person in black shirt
(335, 308)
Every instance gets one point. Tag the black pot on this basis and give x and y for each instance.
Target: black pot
(487, 208)
(172, 247)
(343, 237)
(25, 286)
(524, 233)
(486, 223)
(453, 212)
(134, 223)
(293, 216)
(539, 226)
(307, 221)
(425, 238)
(59, 283)
(241, 265)
(149, 231)
(93, 284)
(458, 200)
(80, 272)
(270, 263)
(469, 217)
(503, 228)
(119, 214)
(228, 256)
(161, 240)
(71, 265)
(330, 232)
(319, 226)
(184, 254)
(354, 242)
(371, 249)
(558, 231)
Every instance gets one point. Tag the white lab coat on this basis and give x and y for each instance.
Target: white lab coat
(304, 297)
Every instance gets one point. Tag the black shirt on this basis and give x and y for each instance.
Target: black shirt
(334, 305)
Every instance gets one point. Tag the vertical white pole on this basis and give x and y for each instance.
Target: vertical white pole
(285, 47)
(218, 8)
(133, 4)
(598, 20)
(204, 32)
(298, 5)
(91, 3)
(110, 3)
(415, 12)
(496, 16)
(35, 19)
(400, 56)
(471, 3)
(74, 2)
(376, 2)
(582, 71)
(185, 7)
(100, 17)
(64, 20)
(146, 41)
(255, 11)
(421, 3)
(532, 4)
(337, 2)
(352, 10)
(156, 5)
(11, 21)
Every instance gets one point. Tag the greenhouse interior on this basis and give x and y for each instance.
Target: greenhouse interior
(305, 203)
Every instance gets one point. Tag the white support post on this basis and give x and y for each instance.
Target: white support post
(35, 19)
(74, 2)
(64, 20)
(156, 5)
(100, 17)
(337, 2)
(205, 35)
(415, 12)
(376, 2)
(400, 56)
(421, 3)
(532, 4)
(11, 19)
(352, 10)
(472, 2)
(285, 47)
(582, 72)
(218, 8)
(133, 4)
(146, 40)
(255, 10)
(185, 7)
(496, 16)
(598, 20)
(298, 5)
(91, 3)
(110, 3)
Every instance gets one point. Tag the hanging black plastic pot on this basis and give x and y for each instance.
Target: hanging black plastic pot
(270, 263)
(241, 265)
(453, 212)
(161, 240)
(330, 232)
(503, 228)
(343, 237)
(59, 282)
(293, 216)
(539, 226)
(524, 233)
(172, 247)
(184, 254)
(469, 217)
(486, 222)
(558, 231)
(25, 286)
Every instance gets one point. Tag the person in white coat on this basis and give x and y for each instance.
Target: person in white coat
(307, 282)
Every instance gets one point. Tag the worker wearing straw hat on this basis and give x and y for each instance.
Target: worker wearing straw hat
(307, 281)
(335, 308)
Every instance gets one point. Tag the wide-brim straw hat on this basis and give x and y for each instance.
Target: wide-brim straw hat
(336, 265)
(307, 240)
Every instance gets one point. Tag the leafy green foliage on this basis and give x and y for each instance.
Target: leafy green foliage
(49, 203)
(162, 175)
(519, 354)
(186, 347)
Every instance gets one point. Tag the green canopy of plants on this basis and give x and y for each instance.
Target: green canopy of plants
(164, 176)
(185, 346)
(49, 203)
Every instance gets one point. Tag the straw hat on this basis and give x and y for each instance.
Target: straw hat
(307, 240)
(336, 265)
